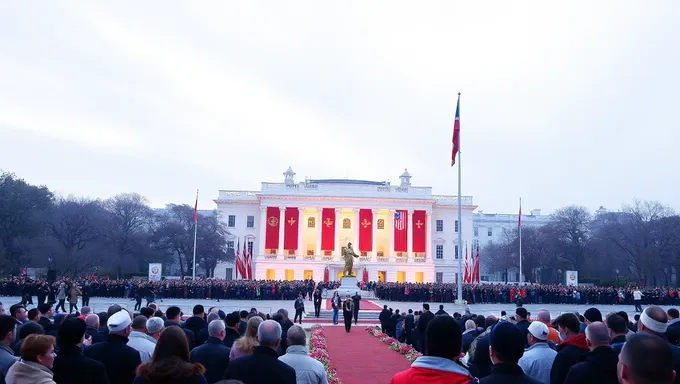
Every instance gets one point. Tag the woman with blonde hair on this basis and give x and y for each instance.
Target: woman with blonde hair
(37, 358)
(246, 344)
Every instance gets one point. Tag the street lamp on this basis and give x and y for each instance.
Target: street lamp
(559, 276)
(617, 278)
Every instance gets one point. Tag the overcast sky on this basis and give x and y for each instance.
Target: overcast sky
(576, 104)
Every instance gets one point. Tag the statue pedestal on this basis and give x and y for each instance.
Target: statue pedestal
(348, 286)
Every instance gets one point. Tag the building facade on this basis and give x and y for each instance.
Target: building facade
(297, 230)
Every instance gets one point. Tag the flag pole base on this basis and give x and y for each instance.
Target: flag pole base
(460, 302)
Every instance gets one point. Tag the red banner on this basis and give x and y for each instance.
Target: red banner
(290, 234)
(419, 231)
(400, 231)
(272, 233)
(327, 229)
(365, 230)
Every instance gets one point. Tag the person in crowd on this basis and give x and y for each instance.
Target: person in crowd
(46, 312)
(84, 311)
(307, 370)
(598, 365)
(441, 311)
(61, 296)
(37, 359)
(347, 312)
(356, 299)
(24, 331)
(263, 366)
(33, 315)
(213, 355)
(243, 322)
(543, 315)
(8, 326)
(119, 359)
(139, 340)
(173, 317)
(654, 320)
(506, 347)
(18, 312)
(154, 327)
(203, 334)
(335, 303)
(441, 362)
(538, 359)
(73, 294)
(673, 330)
(469, 334)
(384, 319)
(425, 318)
(246, 344)
(409, 324)
(521, 315)
(571, 349)
(233, 323)
(637, 299)
(590, 316)
(170, 362)
(196, 322)
(316, 295)
(299, 308)
(394, 320)
(92, 322)
(617, 332)
(479, 360)
(646, 359)
(70, 365)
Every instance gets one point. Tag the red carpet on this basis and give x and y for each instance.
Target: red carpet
(314, 320)
(361, 358)
(364, 305)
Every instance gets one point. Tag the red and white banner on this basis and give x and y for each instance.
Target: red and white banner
(419, 231)
(365, 230)
(272, 232)
(475, 277)
(466, 276)
(401, 231)
(327, 229)
(240, 267)
(290, 234)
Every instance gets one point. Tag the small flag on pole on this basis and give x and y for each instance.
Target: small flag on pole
(456, 134)
(519, 218)
(196, 208)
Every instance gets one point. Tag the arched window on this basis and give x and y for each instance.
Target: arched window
(381, 223)
(311, 222)
(346, 224)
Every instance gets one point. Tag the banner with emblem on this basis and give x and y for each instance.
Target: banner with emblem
(272, 232)
(290, 233)
(400, 231)
(365, 230)
(155, 271)
(328, 229)
(572, 278)
(419, 231)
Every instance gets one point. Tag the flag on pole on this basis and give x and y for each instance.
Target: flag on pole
(196, 208)
(477, 263)
(456, 134)
(466, 276)
(239, 261)
(244, 258)
(519, 218)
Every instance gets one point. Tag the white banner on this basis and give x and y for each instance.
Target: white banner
(572, 278)
(155, 271)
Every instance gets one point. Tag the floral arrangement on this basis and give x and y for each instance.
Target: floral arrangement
(408, 351)
(318, 350)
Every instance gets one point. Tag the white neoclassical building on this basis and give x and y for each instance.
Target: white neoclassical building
(296, 230)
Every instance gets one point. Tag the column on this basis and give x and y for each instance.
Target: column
(390, 252)
(374, 246)
(428, 245)
(282, 226)
(355, 226)
(338, 226)
(302, 224)
(409, 235)
(318, 224)
(263, 232)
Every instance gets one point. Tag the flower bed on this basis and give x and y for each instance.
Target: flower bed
(318, 350)
(408, 351)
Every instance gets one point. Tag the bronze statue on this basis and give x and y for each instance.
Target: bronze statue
(349, 256)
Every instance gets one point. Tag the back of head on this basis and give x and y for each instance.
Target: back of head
(213, 316)
(597, 334)
(269, 333)
(139, 323)
(521, 312)
(71, 332)
(253, 325)
(443, 338)
(243, 314)
(617, 324)
(673, 313)
(147, 312)
(646, 359)
(507, 342)
(490, 320)
(297, 336)
(172, 312)
(232, 319)
(570, 322)
(216, 327)
(85, 311)
(469, 324)
(624, 315)
(115, 308)
(7, 325)
(44, 308)
(592, 315)
(172, 343)
(543, 316)
(154, 325)
(170, 362)
(654, 320)
(198, 309)
(426, 306)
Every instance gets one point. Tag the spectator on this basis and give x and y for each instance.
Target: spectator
(154, 327)
(92, 322)
(139, 340)
(506, 348)
(46, 312)
(479, 360)
(673, 330)
(196, 322)
(243, 323)
(213, 355)
(170, 362)
(34, 315)
(598, 365)
(8, 326)
(203, 335)
(307, 370)
(441, 363)
(37, 359)
(469, 335)
(119, 359)
(70, 365)
(232, 321)
(646, 359)
(655, 321)
(425, 318)
(522, 315)
(18, 312)
(543, 316)
(173, 315)
(617, 332)
(263, 366)
(539, 357)
(591, 315)
(441, 311)
(572, 348)
(24, 331)
(247, 343)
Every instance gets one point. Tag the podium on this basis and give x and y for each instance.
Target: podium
(348, 286)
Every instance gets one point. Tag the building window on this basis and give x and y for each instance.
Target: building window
(439, 277)
(346, 224)
(455, 226)
(439, 251)
(490, 233)
(250, 221)
(381, 223)
(455, 252)
(250, 247)
(230, 244)
(440, 225)
(231, 223)
(230, 274)
(476, 231)
(311, 222)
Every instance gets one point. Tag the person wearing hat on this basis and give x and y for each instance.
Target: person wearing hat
(654, 321)
(120, 360)
(539, 357)
(506, 347)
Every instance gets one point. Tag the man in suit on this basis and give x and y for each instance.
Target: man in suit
(173, 314)
(384, 318)
(46, 311)
(213, 354)
(196, 322)
(425, 318)
(347, 312)
(409, 323)
(263, 365)
(357, 301)
(317, 302)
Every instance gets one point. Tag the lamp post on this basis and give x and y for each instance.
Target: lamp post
(617, 278)
(559, 276)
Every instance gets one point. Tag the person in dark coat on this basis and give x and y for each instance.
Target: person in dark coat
(598, 365)
(646, 358)
(572, 348)
(673, 330)
(196, 322)
(394, 319)
(347, 312)
(232, 322)
(384, 318)
(120, 360)
(409, 323)
(170, 362)
(70, 365)
(317, 302)
(243, 323)
(357, 303)
(213, 355)
(92, 322)
(522, 315)
(654, 321)
(441, 311)
(46, 311)
(263, 365)
(425, 318)
(173, 315)
(506, 348)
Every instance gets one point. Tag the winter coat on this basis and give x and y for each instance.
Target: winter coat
(537, 361)
(597, 366)
(433, 370)
(507, 373)
(569, 353)
(74, 292)
(28, 372)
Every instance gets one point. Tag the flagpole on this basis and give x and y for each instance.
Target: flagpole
(193, 266)
(521, 277)
(460, 222)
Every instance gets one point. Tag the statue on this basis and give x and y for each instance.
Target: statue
(349, 256)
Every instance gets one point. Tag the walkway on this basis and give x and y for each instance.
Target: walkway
(364, 305)
(361, 358)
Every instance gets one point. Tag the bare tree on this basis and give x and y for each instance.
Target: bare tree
(569, 229)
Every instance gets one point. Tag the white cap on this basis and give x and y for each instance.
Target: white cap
(119, 321)
(539, 330)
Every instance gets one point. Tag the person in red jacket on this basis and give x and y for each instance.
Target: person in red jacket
(440, 365)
